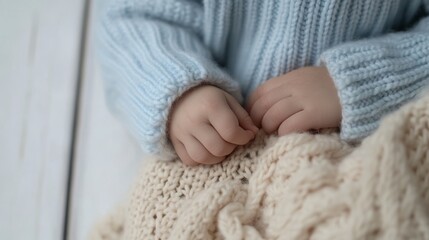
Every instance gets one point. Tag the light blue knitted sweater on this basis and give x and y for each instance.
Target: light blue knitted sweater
(152, 51)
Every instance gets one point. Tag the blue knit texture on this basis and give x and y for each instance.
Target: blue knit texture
(152, 51)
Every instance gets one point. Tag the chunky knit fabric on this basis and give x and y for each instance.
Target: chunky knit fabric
(377, 52)
(300, 186)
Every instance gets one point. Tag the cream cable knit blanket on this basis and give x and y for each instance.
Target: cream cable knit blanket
(300, 186)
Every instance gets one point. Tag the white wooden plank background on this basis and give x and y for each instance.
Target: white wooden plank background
(106, 157)
(39, 55)
(40, 48)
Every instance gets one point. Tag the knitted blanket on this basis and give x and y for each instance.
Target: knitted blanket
(300, 186)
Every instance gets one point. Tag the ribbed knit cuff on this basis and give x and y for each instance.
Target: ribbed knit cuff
(375, 77)
(146, 112)
(148, 65)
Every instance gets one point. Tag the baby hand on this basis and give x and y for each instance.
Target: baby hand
(207, 124)
(298, 101)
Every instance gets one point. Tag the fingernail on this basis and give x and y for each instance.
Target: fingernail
(255, 129)
(250, 132)
(252, 136)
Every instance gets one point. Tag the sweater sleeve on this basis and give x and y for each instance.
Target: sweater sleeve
(376, 76)
(151, 53)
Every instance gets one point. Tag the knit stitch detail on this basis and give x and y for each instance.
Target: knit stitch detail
(148, 74)
(376, 76)
(300, 186)
(153, 51)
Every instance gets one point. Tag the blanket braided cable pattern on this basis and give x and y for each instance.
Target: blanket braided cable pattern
(301, 186)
